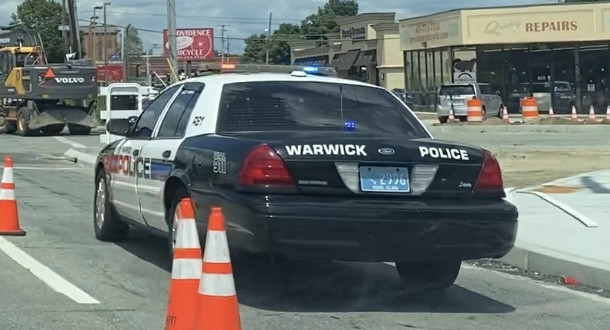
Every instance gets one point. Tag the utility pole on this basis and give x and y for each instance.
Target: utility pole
(105, 47)
(171, 31)
(123, 57)
(228, 40)
(95, 57)
(76, 26)
(64, 35)
(222, 37)
(268, 39)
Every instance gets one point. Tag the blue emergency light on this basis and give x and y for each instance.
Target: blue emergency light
(310, 69)
(349, 125)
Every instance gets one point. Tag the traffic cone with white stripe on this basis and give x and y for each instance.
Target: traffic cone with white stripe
(574, 116)
(505, 117)
(217, 306)
(186, 270)
(9, 215)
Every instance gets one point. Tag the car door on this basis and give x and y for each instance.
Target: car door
(127, 153)
(160, 151)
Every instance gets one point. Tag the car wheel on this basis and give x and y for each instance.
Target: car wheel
(178, 195)
(428, 276)
(443, 119)
(106, 223)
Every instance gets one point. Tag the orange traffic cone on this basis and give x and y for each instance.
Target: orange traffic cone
(9, 215)
(186, 270)
(574, 116)
(551, 112)
(217, 308)
(505, 118)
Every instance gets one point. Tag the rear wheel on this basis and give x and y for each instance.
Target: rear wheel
(178, 194)
(429, 276)
(6, 126)
(23, 122)
(79, 129)
(106, 223)
(443, 119)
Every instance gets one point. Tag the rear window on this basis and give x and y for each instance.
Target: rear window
(313, 106)
(457, 90)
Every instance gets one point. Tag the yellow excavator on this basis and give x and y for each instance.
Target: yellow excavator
(37, 97)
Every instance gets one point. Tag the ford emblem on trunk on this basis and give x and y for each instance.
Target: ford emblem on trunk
(386, 151)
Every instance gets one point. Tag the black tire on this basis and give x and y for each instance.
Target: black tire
(23, 122)
(443, 119)
(111, 228)
(53, 129)
(79, 129)
(177, 194)
(6, 126)
(428, 277)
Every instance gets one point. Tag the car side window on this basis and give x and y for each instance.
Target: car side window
(147, 121)
(178, 115)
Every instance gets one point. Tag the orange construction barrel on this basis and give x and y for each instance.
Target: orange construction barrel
(475, 110)
(529, 109)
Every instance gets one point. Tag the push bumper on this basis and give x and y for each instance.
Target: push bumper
(330, 228)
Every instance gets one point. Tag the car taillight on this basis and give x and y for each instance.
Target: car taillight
(262, 166)
(489, 183)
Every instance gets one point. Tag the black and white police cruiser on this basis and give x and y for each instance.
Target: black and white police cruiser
(306, 166)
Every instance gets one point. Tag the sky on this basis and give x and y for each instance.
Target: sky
(242, 17)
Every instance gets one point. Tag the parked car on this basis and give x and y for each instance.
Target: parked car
(456, 95)
(562, 95)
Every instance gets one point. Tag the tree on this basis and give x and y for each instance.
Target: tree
(133, 42)
(255, 49)
(313, 28)
(44, 17)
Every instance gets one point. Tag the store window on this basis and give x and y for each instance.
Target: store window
(594, 75)
(490, 68)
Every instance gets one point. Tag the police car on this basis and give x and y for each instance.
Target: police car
(305, 166)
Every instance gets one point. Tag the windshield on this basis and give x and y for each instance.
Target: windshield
(313, 106)
(457, 90)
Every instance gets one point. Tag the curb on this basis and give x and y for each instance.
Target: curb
(536, 259)
(81, 157)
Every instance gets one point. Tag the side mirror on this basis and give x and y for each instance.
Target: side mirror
(120, 127)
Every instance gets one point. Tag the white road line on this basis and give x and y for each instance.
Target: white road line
(70, 143)
(45, 274)
(587, 222)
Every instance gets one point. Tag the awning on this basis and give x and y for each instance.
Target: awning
(345, 61)
(366, 58)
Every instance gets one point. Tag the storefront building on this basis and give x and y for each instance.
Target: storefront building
(558, 53)
(367, 48)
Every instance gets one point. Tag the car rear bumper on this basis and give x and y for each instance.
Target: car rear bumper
(301, 227)
(458, 110)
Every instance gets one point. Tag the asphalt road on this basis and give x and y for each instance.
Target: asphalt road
(128, 281)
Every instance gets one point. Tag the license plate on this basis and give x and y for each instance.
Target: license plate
(384, 179)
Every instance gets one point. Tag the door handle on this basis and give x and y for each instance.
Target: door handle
(166, 153)
(135, 153)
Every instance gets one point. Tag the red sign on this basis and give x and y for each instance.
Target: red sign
(115, 72)
(192, 44)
